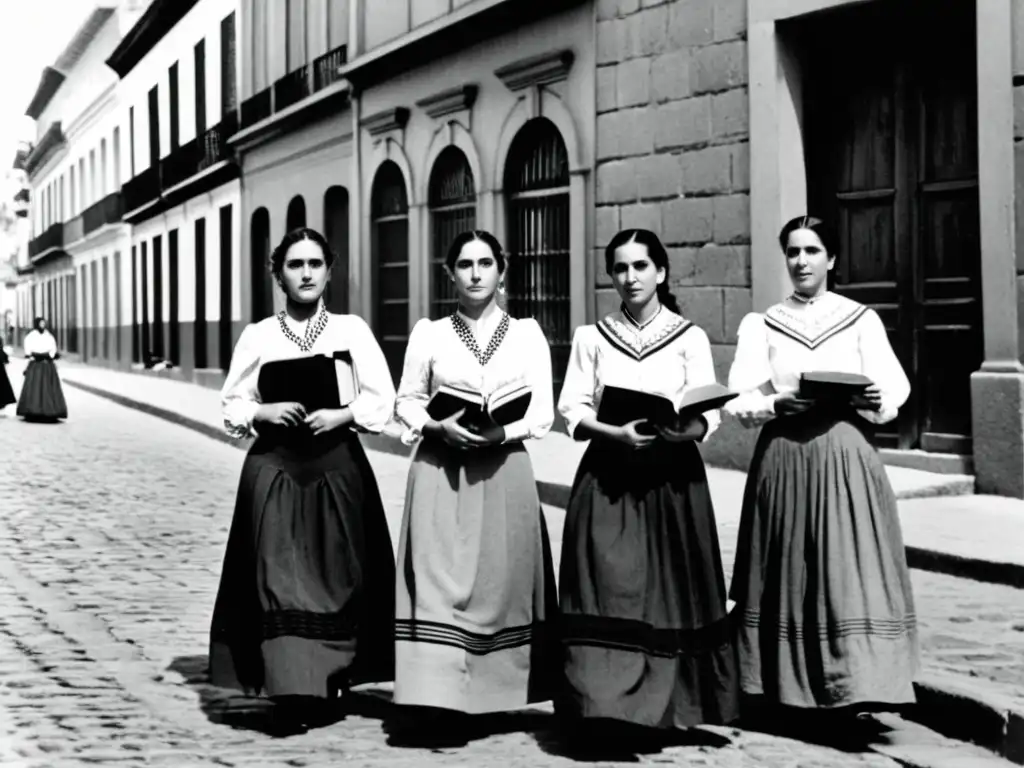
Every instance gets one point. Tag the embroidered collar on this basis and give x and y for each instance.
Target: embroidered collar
(622, 333)
(812, 323)
(636, 323)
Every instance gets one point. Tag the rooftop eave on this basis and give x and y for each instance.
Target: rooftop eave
(150, 29)
(469, 25)
(83, 38)
(52, 140)
(49, 82)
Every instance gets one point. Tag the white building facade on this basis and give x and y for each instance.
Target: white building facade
(75, 170)
(178, 72)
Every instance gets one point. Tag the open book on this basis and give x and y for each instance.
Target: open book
(620, 406)
(503, 406)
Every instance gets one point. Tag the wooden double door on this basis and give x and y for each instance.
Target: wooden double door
(890, 121)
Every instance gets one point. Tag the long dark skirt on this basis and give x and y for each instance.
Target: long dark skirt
(42, 397)
(476, 593)
(6, 390)
(821, 579)
(642, 591)
(306, 598)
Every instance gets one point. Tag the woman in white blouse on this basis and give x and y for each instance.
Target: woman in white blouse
(42, 396)
(476, 586)
(820, 580)
(305, 605)
(641, 586)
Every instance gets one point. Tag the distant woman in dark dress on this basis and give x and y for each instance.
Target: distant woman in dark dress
(821, 582)
(42, 397)
(306, 600)
(6, 391)
(642, 589)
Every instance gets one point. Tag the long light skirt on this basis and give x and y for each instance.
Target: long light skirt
(821, 579)
(475, 590)
(646, 633)
(305, 599)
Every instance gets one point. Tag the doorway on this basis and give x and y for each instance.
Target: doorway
(891, 141)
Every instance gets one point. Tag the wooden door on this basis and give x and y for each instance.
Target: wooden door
(891, 134)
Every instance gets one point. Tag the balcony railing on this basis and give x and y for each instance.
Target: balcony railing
(196, 156)
(74, 230)
(325, 68)
(256, 108)
(143, 189)
(106, 211)
(292, 88)
(51, 238)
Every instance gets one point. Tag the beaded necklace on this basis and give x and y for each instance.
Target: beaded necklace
(314, 327)
(466, 334)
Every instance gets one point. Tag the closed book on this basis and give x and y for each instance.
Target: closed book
(311, 381)
(832, 385)
(348, 381)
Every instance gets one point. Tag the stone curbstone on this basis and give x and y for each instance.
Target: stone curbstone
(961, 710)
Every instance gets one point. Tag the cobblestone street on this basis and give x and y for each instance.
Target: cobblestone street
(111, 536)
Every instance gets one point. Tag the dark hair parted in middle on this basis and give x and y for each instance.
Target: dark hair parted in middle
(293, 237)
(36, 322)
(469, 236)
(655, 251)
(815, 225)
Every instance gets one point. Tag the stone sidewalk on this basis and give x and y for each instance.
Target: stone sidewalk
(946, 527)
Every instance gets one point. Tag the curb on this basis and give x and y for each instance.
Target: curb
(557, 494)
(959, 709)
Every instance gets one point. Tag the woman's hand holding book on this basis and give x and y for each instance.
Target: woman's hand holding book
(635, 439)
(869, 400)
(456, 435)
(693, 429)
(280, 414)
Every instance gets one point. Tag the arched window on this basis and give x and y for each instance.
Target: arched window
(261, 282)
(537, 196)
(390, 248)
(296, 213)
(336, 232)
(452, 204)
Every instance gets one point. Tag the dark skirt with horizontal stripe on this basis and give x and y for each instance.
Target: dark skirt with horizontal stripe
(644, 623)
(821, 580)
(305, 604)
(42, 396)
(476, 592)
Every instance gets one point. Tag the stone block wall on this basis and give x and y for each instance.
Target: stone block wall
(673, 156)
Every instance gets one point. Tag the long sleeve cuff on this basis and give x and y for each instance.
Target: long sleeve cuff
(238, 418)
(574, 416)
(753, 408)
(414, 417)
(370, 413)
(882, 416)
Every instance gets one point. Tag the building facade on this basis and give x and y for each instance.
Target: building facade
(75, 170)
(178, 70)
(393, 124)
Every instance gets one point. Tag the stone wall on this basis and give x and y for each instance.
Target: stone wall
(673, 157)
